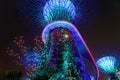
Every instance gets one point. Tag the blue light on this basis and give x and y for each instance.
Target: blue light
(59, 10)
(37, 13)
(92, 78)
(79, 42)
(32, 57)
(107, 64)
(30, 61)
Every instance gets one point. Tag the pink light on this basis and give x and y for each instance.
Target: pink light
(76, 34)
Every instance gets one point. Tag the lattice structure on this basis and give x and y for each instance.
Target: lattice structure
(108, 65)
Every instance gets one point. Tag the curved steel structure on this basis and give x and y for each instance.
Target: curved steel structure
(80, 43)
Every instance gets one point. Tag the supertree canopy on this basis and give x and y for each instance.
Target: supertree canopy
(41, 12)
(108, 65)
(55, 10)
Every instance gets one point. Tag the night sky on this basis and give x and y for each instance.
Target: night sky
(102, 37)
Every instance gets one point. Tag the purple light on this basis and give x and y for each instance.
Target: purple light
(80, 43)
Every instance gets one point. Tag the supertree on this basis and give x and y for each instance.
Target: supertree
(62, 65)
(65, 59)
(108, 65)
(61, 56)
(25, 55)
(78, 40)
(41, 12)
(61, 21)
(55, 62)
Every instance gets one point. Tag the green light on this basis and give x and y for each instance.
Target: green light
(107, 64)
(56, 10)
(59, 13)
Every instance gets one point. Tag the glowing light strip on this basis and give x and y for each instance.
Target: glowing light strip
(78, 38)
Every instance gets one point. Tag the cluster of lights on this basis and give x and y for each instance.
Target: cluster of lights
(38, 43)
(23, 57)
(79, 42)
(59, 10)
(64, 58)
(10, 52)
(20, 43)
(14, 54)
(107, 65)
(30, 62)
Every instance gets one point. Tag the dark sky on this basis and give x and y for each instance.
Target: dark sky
(100, 37)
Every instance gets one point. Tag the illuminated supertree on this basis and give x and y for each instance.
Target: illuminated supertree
(55, 10)
(26, 56)
(78, 40)
(66, 62)
(41, 12)
(61, 56)
(55, 62)
(108, 65)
